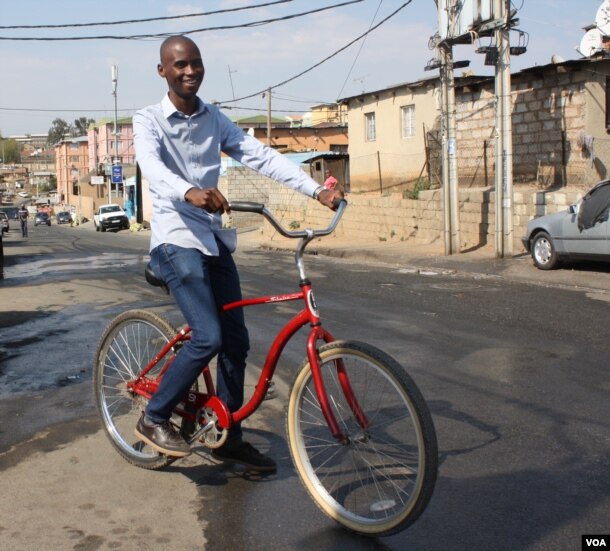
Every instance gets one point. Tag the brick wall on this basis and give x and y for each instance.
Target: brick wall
(549, 119)
(371, 217)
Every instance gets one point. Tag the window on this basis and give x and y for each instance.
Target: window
(370, 127)
(408, 121)
(116, 145)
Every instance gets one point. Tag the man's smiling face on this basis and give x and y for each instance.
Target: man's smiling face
(181, 65)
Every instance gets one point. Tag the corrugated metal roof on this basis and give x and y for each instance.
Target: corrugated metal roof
(297, 158)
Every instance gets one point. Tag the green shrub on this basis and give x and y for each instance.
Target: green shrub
(421, 185)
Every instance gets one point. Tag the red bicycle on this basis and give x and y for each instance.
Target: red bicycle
(359, 431)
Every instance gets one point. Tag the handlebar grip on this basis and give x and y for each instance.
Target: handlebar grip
(246, 206)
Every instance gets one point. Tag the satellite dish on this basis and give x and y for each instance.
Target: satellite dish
(591, 42)
(602, 19)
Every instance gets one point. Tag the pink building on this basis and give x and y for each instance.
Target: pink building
(71, 164)
(104, 146)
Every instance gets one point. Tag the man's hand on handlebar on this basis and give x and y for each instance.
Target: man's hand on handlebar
(330, 198)
(209, 199)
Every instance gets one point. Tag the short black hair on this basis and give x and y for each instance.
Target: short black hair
(171, 40)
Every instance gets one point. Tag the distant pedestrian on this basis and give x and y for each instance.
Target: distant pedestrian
(23, 220)
(331, 181)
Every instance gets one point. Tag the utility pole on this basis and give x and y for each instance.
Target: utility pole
(450, 196)
(445, 196)
(269, 117)
(231, 81)
(452, 155)
(504, 148)
(115, 160)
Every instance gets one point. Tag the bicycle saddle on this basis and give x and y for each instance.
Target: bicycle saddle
(153, 280)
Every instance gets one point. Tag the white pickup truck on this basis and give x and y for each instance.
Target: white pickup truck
(110, 217)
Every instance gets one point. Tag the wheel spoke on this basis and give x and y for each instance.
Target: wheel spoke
(130, 342)
(380, 479)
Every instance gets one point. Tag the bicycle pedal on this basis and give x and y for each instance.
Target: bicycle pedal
(199, 433)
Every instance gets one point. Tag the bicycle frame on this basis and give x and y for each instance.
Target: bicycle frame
(146, 386)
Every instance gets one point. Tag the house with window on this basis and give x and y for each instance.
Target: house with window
(107, 146)
(560, 126)
(71, 162)
(560, 122)
(287, 136)
(335, 113)
(387, 134)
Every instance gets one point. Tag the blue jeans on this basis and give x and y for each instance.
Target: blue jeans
(201, 284)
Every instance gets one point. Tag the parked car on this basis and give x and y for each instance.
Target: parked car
(63, 217)
(23, 194)
(4, 222)
(42, 218)
(582, 232)
(110, 217)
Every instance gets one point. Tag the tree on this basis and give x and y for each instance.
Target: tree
(81, 125)
(57, 132)
(9, 151)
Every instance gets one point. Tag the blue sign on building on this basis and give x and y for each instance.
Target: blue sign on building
(117, 174)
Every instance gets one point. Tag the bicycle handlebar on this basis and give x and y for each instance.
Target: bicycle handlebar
(259, 208)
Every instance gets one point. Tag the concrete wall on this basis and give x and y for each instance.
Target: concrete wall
(549, 117)
(556, 111)
(391, 218)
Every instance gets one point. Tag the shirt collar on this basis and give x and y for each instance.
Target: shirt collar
(169, 108)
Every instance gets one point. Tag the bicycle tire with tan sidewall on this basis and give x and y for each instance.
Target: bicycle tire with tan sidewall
(130, 341)
(381, 479)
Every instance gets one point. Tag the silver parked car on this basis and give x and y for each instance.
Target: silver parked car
(582, 232)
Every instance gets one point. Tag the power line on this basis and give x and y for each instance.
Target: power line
(371, 29)
(289, 99)
(147, 20)
(325, 59)
(192, 31)
(259, 110)
(133, 110)
(301, 98)
(359, 50)
(62, 110)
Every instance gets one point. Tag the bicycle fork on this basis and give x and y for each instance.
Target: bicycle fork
(318, 333)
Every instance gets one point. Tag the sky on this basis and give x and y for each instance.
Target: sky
(68, 79)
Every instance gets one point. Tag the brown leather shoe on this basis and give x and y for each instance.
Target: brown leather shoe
(163, 437)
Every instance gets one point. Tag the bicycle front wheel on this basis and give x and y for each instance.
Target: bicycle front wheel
(380, 480)
(127, 346)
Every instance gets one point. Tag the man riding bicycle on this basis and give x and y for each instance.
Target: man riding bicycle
(178, 145)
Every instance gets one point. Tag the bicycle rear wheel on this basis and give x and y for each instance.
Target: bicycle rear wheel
(381, 480)
(129, 343)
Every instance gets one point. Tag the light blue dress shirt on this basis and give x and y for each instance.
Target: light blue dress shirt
(177, 152)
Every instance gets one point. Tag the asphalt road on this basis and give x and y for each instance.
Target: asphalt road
(515, 374)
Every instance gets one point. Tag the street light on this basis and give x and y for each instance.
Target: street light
(115, 80)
